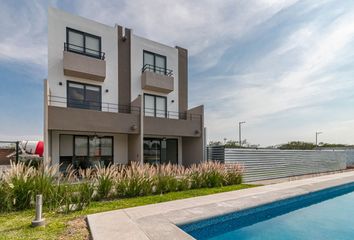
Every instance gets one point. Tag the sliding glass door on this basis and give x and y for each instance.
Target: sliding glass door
(84, 151)
(160, 151)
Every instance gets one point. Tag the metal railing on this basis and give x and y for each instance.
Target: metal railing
(151, 112)
(156, 69)
(58, 101)
(84, 51)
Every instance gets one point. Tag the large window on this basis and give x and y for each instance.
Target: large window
(84, 96)
(155, 63)
(155, 106)
(159, 151)
(83, 43)
(85, 151)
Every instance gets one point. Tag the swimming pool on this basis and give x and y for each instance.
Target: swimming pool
(326, 214)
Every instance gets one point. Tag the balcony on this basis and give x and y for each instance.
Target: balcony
(84, 63)
(187, 124)
(157, 79)
(89, 116)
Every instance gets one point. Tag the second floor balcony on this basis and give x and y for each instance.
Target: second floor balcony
(84, 63)
(157, 79)
(91, 116)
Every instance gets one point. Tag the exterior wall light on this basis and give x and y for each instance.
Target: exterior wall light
(133, 127)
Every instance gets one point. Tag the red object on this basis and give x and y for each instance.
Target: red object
(39, 148)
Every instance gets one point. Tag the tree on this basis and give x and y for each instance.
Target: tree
(298, 145)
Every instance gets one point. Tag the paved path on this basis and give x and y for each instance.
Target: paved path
(158, 221)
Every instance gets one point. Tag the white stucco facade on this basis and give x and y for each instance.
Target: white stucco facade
(138, 45)
(58, 21)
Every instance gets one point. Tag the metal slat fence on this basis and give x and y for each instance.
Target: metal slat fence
(263, 164)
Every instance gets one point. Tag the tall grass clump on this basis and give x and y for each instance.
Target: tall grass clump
(166, 178)
(135, 180)
(105, 177)
(233, 174)
(44, 178)
(20, 181)
(207, 174)
(5, 197)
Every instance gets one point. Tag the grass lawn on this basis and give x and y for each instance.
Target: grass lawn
(17, 225)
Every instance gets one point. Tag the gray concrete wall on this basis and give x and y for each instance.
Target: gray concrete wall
(134, 148)
(81, 66)
(74, 119)
(193, 148)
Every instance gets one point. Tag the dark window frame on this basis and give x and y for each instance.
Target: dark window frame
(155, 54)
(88, 144)
(84, 34)
(88, 147)
(84, 84)
(155, 96)
(160, 140)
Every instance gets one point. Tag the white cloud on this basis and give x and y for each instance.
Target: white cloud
(206, 28)
(23, 33)
(307, 82)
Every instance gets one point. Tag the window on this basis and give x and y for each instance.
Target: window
(83, 43)
(155, 106)
(159, 151)
(84, 96)
(88, 151)
(155, 63)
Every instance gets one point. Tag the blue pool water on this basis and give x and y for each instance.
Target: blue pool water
(324, 215)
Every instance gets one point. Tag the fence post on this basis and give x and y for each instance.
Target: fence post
(17, 149)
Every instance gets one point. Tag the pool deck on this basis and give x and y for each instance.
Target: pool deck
(158, 221)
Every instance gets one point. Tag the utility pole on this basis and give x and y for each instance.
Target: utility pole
(317, 133)
(239, 133)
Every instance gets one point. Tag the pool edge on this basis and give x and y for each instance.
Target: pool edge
(160, 221)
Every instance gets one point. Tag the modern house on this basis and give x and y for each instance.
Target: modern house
(114, 97)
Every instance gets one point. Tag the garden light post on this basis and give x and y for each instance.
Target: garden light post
(239, 132)
(317, 133)
(38, 221)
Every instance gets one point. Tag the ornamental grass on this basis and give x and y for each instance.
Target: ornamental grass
(76, 189)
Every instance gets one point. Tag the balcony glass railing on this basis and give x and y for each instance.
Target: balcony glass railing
(156, 69)
(84, 51)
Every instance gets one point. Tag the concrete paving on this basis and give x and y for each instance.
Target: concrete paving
(158, 221)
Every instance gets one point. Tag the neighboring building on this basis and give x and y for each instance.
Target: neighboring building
(114, 97)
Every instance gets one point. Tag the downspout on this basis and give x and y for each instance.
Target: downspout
(142, 127)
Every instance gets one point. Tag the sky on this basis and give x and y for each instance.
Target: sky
(283, 67)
